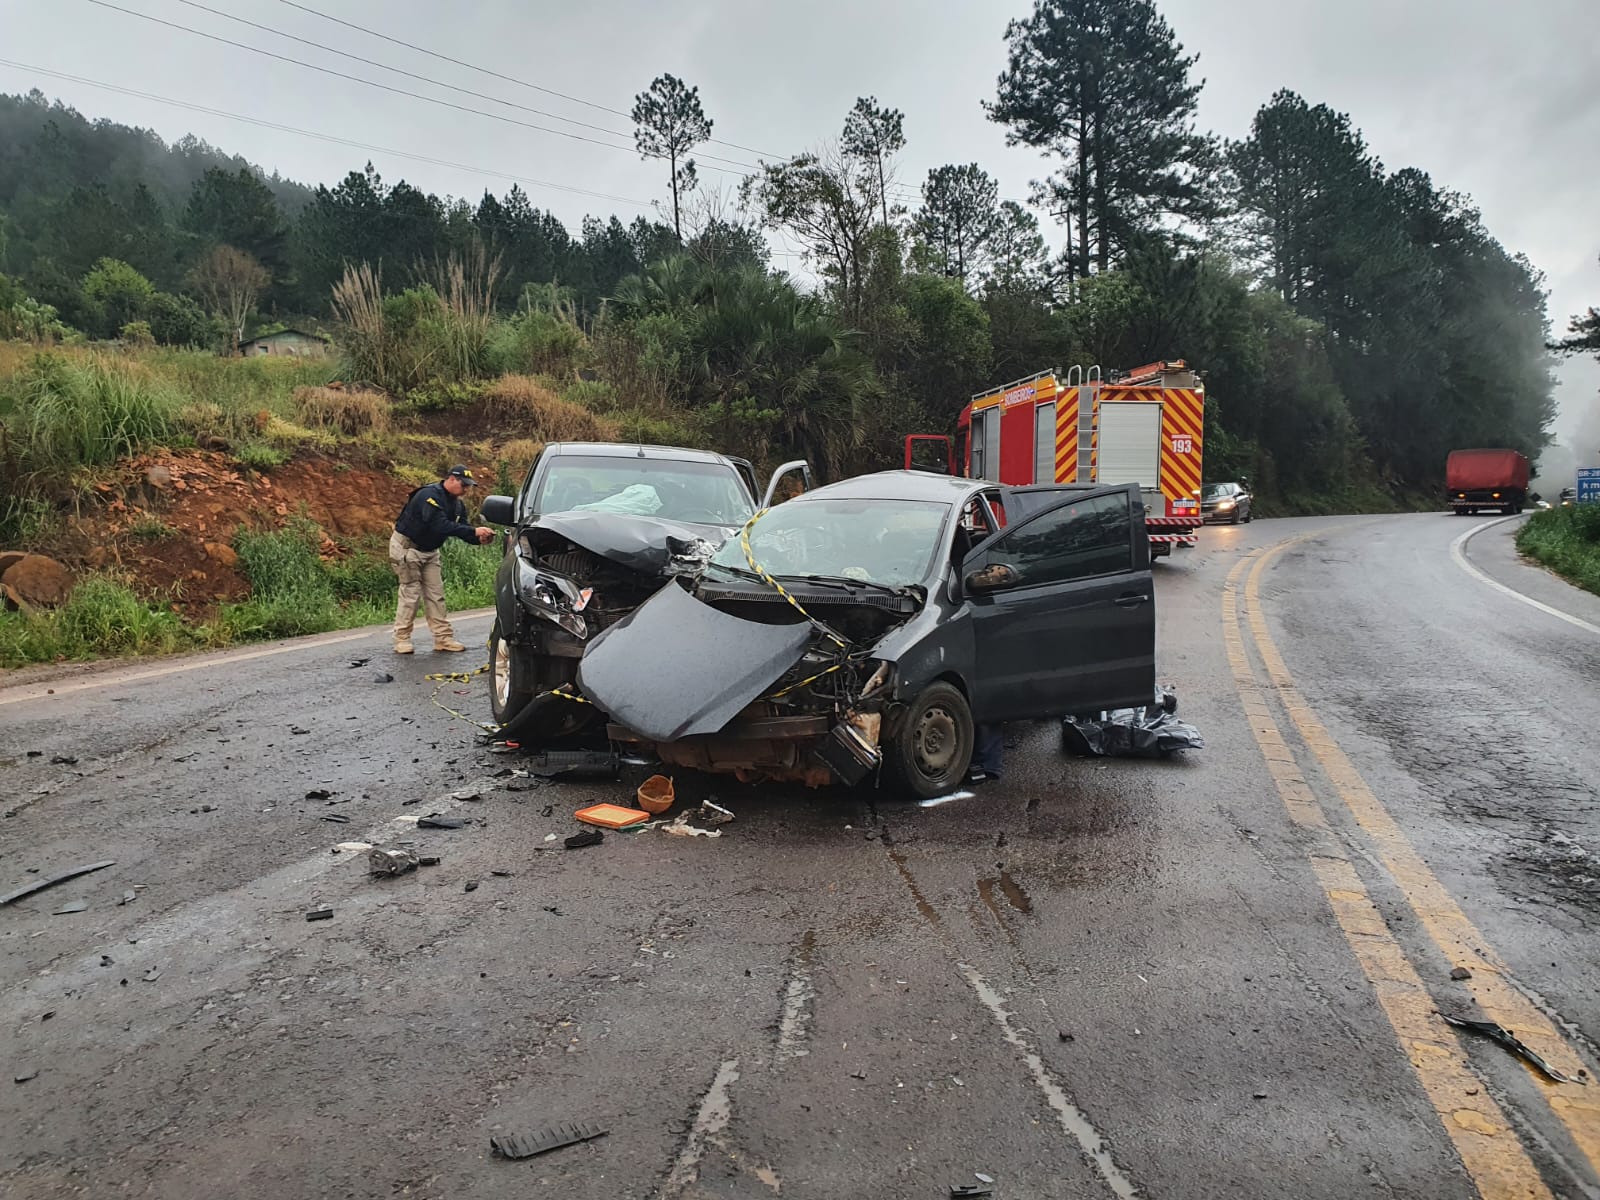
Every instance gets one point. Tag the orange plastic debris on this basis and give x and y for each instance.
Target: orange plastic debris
(611, 816)
(656, 794)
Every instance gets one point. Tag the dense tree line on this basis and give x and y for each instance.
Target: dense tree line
(1354, 323)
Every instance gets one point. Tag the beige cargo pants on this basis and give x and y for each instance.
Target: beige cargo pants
(421, 582)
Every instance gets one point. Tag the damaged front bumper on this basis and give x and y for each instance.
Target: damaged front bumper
(705, 689)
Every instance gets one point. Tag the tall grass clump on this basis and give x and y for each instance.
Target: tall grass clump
(91, 410)
(523, 407)
(341, 410)
(1567, 540)
(101, 619)
(544, 335)
(290, 593)
(469, 573)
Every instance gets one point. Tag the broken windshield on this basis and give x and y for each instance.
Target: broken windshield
(704, 493)
(890, 542)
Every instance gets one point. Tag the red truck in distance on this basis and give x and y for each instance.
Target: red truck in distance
(1486, 479)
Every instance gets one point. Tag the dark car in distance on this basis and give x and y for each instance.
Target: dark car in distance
(1226, 503)
(872, 623)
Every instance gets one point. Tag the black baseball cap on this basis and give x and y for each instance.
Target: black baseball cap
(463, 474)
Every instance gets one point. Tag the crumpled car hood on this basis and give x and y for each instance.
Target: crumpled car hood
(648, 545)
(675, 667)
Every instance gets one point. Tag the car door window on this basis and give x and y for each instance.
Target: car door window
(1076, 541)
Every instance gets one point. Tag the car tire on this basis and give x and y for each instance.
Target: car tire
(931, 750)
(1249, 514)
(511, 677)
(1234, 519)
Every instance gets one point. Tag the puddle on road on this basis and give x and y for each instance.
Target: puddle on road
(923, 907)
(1010, 889)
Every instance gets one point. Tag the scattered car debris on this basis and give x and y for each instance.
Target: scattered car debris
(467, 794)
(382, 677)
(64, 760)
(435, 821)
(153, 974)
(656, 794)
(575, 764)
(429, 860)
(39, 885)
(320, 914)
(713, 813)
(1149, 732)
(526, 1145)
(24, 1076)
(336, 818)
(682, 828)
(1510, 1041)
(35, 753)
(296, 731)
(358, 662)
(471, 886)
(72, 906)
(501, 874)
(589, 837)
(1460, 973)
(982, 1178)
(970, 1189)
(391, 860)
(320, 794)
(128, 897)
(611, 816)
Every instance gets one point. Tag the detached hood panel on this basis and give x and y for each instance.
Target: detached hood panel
(643, 544)
(675, 667)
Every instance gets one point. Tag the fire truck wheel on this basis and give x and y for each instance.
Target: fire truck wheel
(928, 756)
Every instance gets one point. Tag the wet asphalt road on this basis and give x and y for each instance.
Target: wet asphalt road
(1216, 976)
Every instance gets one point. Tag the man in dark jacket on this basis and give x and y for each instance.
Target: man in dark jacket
(432, 514)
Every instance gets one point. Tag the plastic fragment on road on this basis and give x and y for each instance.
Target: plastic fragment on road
(611, 816)
(713, 814)
(1497, 1033)
(589, 837)
(72, 906)
(39, 885)
(320, 914)
(526, 1145)
(1460, 973)
(682, 828)
(387, 860)
(24, 1076)
(435, 821)
(970, 1189)
(575, 764)
(656, 794)
(1149, 732)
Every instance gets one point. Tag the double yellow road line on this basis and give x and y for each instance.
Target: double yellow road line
(1489, 1147)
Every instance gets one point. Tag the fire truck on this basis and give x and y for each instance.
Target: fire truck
(1144, 426)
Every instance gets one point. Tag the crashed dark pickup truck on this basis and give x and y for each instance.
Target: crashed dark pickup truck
(863, 627)
(597, 528)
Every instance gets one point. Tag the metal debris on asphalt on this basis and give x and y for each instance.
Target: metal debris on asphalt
(296, 731)
(128, 897)
(435, 821)
(382, 677)
(589, 837)
(336, 818)
(39, 885)
(64, 760)
(970, 1189)
(429, 860)
(358, 662)
(320, 914)
(501, 874)
(467, 794)
(153, 974)
(575, 764)
(526, 1145)
(387, 860)
(1510, 1041)
(320, 794)
(713, 813)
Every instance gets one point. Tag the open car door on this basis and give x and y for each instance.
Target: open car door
(789, 468)
(1063, 607)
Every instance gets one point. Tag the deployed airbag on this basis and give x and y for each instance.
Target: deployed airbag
(676, 667)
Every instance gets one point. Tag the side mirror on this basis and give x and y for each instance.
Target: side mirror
(499, 510)
(993, 578)
(788, 468)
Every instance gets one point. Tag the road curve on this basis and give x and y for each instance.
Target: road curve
(1216, 976)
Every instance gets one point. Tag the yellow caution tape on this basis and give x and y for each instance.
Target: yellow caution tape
(749, 557)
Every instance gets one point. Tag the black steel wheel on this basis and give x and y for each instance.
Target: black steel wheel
(929, 754)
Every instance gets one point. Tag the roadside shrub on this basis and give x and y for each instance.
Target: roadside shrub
(342, 411)
(1567, 540)
(514, 459)
(92, 410)
(136, 335)
(151, 528)
(441, 396)
(523, 405)
(259, 456)
(649, 430)
(410, 473)
(101, 619)
(290, 594)
(179, 321)
(541, 337)
(596, 395)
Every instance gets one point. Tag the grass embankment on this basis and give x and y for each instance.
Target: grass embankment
(1567, 540)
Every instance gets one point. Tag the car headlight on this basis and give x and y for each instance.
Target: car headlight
(1224, 503)
(554, 598)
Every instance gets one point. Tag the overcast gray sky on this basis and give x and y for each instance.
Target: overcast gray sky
(1493, 99)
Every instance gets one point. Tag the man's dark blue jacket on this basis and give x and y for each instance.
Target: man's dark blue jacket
(431, 515)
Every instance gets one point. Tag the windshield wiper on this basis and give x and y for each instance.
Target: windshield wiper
(732, 570)
(844, 581)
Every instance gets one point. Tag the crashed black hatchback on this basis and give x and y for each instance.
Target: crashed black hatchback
(865, 626)
(596, 529)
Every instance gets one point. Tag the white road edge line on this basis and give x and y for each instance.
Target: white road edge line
(1458, 552)
(1072, 1118)
(41, 691)
(716, 1110)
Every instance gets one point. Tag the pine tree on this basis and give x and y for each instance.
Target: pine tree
(669, 123)
(874, 134)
